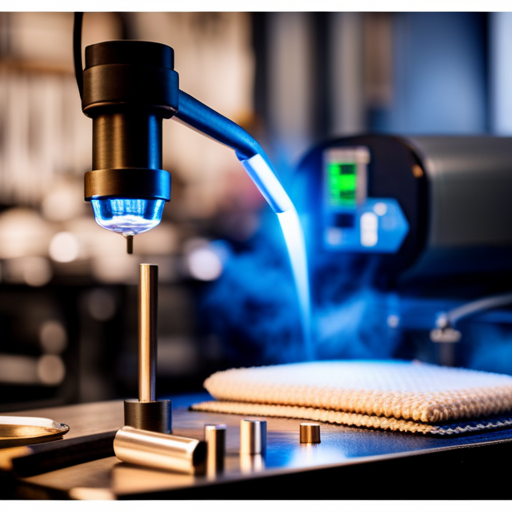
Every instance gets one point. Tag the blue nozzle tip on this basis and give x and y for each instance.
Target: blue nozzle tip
(128, 216)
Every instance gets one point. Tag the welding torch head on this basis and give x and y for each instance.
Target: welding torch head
(129, 87)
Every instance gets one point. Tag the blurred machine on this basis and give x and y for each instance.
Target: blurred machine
(429, 222)
(433, 205)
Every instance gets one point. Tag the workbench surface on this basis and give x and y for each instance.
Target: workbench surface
(349, 463)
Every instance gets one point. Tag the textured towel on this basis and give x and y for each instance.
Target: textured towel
(404, 396)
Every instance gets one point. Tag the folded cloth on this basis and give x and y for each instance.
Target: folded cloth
(392, 395)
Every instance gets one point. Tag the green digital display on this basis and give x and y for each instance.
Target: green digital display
(342, 179)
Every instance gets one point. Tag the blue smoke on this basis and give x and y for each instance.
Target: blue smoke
(253, 306)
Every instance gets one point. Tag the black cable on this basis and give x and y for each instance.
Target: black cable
(77, 50)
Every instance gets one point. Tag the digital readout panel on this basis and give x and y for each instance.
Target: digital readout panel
(353, 221)
(342, 179)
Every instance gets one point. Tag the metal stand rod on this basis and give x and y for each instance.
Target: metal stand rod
(147, 413)
(148, 303)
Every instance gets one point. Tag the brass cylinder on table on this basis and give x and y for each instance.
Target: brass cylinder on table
(310, 433)
(147, 413)
(160, 451)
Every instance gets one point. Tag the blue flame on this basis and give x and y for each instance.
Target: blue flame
(128, 216)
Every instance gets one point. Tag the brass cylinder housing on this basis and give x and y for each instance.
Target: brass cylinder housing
(129, 88)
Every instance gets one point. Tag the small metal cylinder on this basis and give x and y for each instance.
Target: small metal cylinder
(309, 432)
(148, 304)
(160, 451)
(215, 437)
(253, 436)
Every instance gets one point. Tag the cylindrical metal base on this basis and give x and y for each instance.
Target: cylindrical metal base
(154, 416)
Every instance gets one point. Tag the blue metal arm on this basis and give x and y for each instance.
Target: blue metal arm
(257, 164)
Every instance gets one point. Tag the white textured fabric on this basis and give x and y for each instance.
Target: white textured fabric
(406, 391)
(351, 419)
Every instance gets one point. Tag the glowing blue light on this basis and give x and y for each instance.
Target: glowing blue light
(273, 191)
(294, 238)
(128, 216)
(268, 183)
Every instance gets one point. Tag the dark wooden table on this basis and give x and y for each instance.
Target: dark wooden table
(348, 464)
